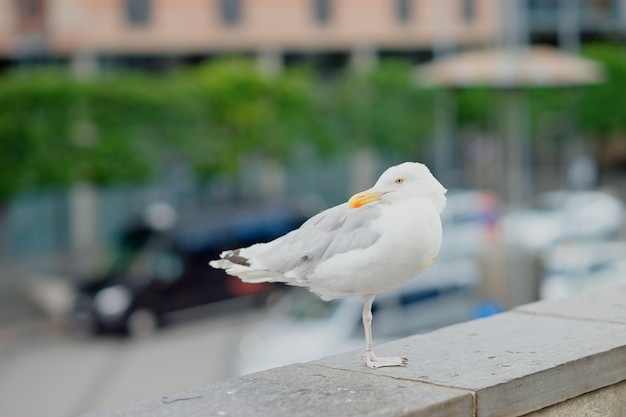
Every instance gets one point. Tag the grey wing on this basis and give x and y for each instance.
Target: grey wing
(331, 232)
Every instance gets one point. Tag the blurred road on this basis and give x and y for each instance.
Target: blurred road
(45, 372)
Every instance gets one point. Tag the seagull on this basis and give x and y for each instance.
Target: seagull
(378, 240)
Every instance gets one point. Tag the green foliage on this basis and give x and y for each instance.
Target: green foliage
(476, 106)
(56, 130)
(383, 109)
(597, 108)
(602, 105)
(35, 124)
(246, 112)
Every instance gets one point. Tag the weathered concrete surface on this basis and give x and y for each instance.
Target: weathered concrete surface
(516, 363)
(547, 357)
(600, 304)
(538, 355)
(307, 390)
(605, 402)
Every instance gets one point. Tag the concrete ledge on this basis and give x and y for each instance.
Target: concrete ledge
(307, 390)
(608, 401)
(540, 358)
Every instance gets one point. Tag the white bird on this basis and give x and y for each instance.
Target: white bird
(380, 239)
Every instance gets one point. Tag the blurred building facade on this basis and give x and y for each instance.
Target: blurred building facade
(165, 32)
(161, 33)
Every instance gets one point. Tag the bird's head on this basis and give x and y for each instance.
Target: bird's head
(399, 182)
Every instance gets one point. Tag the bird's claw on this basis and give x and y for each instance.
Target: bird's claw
(375, 362)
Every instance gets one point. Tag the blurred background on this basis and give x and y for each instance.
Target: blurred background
(139, 138)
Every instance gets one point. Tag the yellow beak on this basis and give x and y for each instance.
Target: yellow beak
(361, 199)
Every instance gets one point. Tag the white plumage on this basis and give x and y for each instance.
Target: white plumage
(377, 241)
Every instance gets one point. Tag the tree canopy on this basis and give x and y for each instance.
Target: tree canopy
(56, 130)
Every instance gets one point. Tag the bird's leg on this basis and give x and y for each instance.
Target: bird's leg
(367, 322)
(370, 358)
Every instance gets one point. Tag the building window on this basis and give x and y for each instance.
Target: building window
(603, 7)
(469, 10)
(322, 10)
(543, 5)
(30, 14)
(404, 10)
(230, 11)
(138, 12)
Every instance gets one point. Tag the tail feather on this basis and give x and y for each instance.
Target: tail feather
(234, 266)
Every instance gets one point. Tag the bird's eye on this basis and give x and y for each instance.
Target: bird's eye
(399, 180)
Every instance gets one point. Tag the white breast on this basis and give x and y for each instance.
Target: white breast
(410, 240)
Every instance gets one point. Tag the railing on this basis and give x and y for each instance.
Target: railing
(550, 358)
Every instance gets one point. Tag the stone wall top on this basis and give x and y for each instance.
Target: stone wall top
(510, 364)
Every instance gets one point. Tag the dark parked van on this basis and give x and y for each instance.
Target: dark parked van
(159, 272)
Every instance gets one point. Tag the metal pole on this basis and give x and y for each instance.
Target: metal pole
(518, 154)
(445, 122)
(569, 25)
(569, 40)
(516, 122)
(445, 105)
(521, 281)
